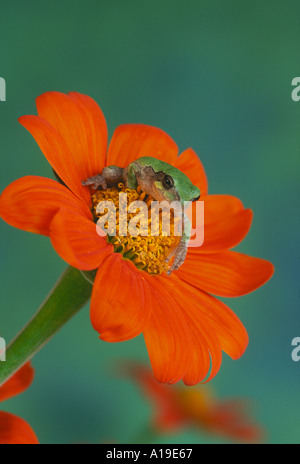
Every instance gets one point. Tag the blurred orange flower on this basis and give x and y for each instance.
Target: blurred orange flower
(185, 328)
(13, 429)
(178, 407)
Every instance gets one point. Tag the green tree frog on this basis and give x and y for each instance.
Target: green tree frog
(160, 180)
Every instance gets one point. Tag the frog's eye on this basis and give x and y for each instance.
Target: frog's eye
(168, 182)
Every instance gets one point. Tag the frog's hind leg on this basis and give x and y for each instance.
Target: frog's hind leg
(179, 256)
(180, 251)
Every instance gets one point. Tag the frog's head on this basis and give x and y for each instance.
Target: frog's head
(167, 182)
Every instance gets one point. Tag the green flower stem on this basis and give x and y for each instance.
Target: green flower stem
(69, 295)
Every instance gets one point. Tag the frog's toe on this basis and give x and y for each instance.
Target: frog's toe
(95, 182)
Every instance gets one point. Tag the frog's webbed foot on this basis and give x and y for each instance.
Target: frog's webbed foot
(170, 256)
(95, 182)
(179, 257)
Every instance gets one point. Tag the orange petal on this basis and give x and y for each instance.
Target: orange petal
(204, 351)
(189, 163)
(227, 274)
(131, 141)
(220, 321)
(31, 202)
(121, 300)
(226, 223)
(206, 357)
(204, 354)
(15, 431)
(75, 239)
(19, 382)
(58, 153)
(167, 333)
(81, 124)
(213, 328)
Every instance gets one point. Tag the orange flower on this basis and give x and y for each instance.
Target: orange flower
(13, 429)
(177, 407)
(185, 328)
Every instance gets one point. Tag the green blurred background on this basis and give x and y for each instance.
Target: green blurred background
(216, 75)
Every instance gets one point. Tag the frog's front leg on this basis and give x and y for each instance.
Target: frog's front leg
(180, 251)
(111, 175)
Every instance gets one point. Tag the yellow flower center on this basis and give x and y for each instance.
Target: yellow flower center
(148, 252)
